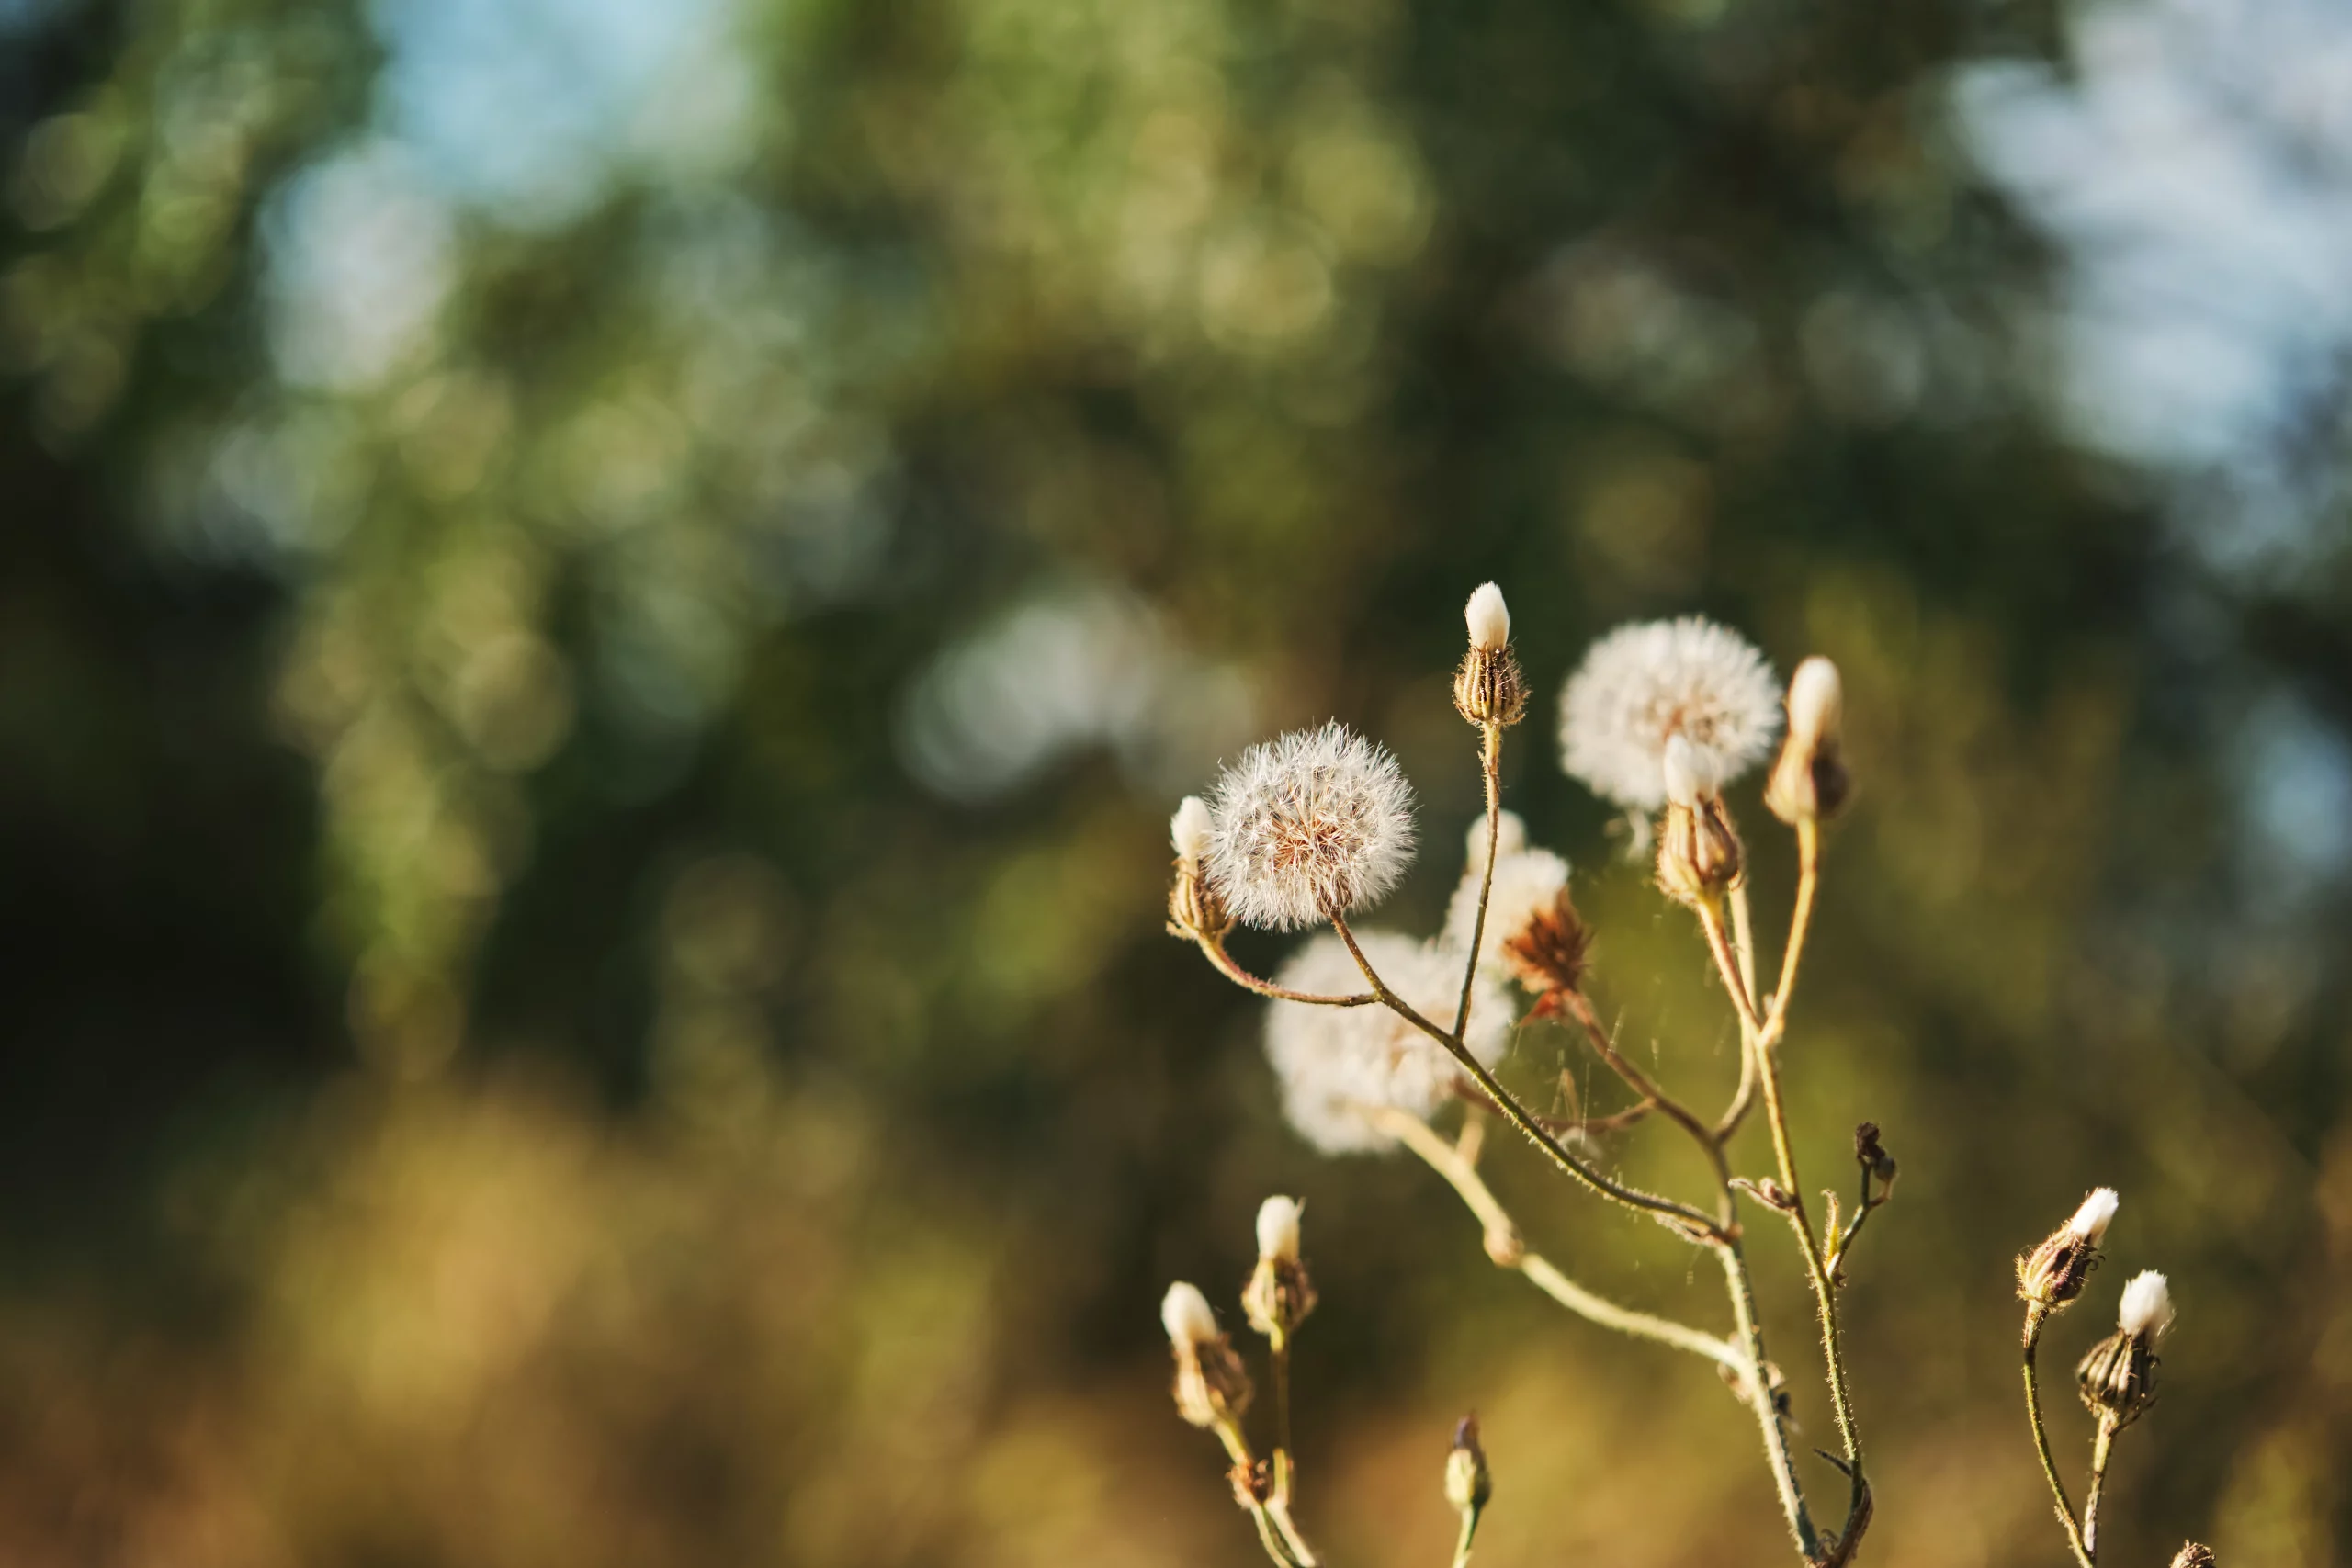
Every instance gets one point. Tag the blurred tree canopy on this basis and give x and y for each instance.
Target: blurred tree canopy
(603, 603)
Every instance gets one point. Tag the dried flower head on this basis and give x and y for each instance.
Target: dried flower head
(1528, 882)
(1333, 1063)
(2146, 1312)
(1642, 685)
(2055, 1272)
(1212, 1386)
(1548, 954)
(2193, 1554)
(1315, 824)
(1278, 1295)
(1488, 689)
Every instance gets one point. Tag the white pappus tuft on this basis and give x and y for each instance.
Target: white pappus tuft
(1278, 1229)
(1185, 1314)
(2098, 1211)
(1318, 823)
(1816, 701)
(1488, 617)
(1645, 684)
(1527, 883)
(1333, 1062)
(2146, 1312)
(1189, 830)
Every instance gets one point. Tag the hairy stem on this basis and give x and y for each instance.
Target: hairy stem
(1490, 763)
(2035, 1315)
(1605, 1046)
(1768, 1409)
(2102, 1449)
(1682, 1218)
(1216, 954)
(1505, 1247)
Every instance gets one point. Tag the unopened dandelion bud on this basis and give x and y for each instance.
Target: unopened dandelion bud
(2118, 1378)
(2193, 1554)
(1699, 853)
(1195, 912)
(1212, 1386)
(1278, 1295)
(1809, 781)
(1468, 1483)
(2055, 1272)
(1488, 689)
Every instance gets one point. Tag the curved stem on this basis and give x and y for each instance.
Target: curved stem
(1504, 1245)
(1216, 954)
(2034, 1317)
(1490, 757)
(1800, 922)
(2102, 1448)
(1682, 1218)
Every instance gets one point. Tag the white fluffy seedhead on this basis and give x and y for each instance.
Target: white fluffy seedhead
(2146, 1312)
(1488, 617)
(2098, 1211)
(1278, 1229)
(1185, 1314)
(1334, 1062)
(1189, 830)
(1816, 700)
(1642, 685)
(1318, 823)
(1527, 882)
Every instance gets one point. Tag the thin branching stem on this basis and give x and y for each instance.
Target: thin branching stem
(2035, 1316)
(1216, 954)
(1505, 1245)
(1681, 1218)
(1490, 765)
(1604, 1045)
(1768, 1409)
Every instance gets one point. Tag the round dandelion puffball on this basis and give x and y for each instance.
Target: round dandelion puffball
(1642, 685)
(1527, 882)
(1315, 824)
(1334, 1062)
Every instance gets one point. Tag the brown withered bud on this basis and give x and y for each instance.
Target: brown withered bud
(1278, 1295)
(1809, 780)
(1489, 688)
(1195, 913)
(1698, 854)
(1872, 1155)
(2055, 1272)
(1212, 1386)
(1549, 953)
(1253, 1482)
(2193, 1554)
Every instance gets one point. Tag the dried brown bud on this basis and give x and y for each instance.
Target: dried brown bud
(1468, 1483)
(1278, 1297)
(2193, 1555)
(1253, 1482)
(1549, 952)
(1872, 1155)
(2118, 1378)
(1489, 688)
(2055, 1272)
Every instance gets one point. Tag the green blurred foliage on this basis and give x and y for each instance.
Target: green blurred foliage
(602, 608)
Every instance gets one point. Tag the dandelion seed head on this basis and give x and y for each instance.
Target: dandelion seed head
(1334, 1062)
(1645, 684)
(2146, 1312)
(2098, 1211)
(1318, 823)
(1185, 1314)
(1278, 1229)
(1488, 617)
(1189, 830)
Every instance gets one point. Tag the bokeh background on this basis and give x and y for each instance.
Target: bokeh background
(602, 603)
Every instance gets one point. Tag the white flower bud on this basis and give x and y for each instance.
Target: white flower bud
(2090, 1220)
(1278, 1229)
(1185, 1314)
(2146, 1312)
(1816, 701)
(1488, 617)
(1190, 829)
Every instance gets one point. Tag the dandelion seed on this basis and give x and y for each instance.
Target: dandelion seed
(1334, 1062)
(1316, 824)
(1643, 685)
(2146, 1311)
